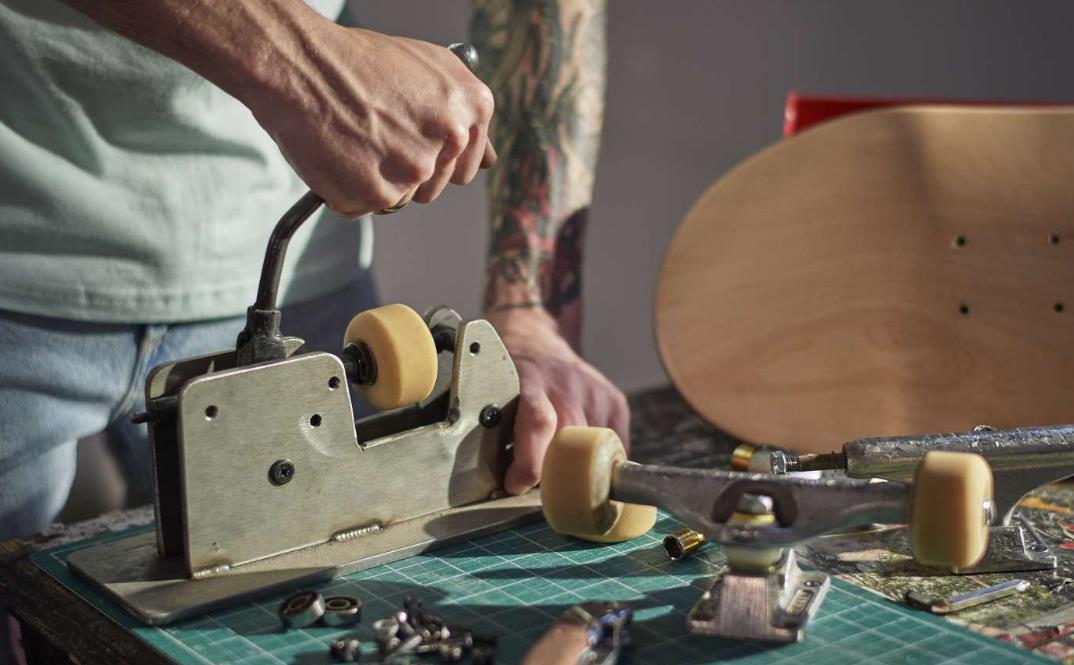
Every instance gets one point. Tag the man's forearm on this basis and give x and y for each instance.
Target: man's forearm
(545, 63)
(240, 45)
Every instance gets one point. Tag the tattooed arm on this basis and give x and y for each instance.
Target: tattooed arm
(545, 63)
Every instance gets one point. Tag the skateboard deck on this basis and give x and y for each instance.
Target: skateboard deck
(898, 271)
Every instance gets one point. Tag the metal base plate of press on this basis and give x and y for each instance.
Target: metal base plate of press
(159, 592)
(770, 608)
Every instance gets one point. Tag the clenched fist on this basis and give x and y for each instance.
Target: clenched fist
(370, 121)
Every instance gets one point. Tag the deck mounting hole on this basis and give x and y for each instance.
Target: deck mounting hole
(315, 420)
(964, 309)
(1054, 238)
(1058, 307)
(959, 241)
(211, 411)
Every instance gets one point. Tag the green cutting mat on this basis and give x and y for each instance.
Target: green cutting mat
(512, 584)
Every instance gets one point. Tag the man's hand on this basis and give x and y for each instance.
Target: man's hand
(368, 121)
(558, 389)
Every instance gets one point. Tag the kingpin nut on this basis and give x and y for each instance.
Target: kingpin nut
(683, 543)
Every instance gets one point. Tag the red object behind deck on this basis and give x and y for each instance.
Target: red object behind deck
(802, 111)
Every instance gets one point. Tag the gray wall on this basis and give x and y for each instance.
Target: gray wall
(693, 88)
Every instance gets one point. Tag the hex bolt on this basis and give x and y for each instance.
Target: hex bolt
(281, 472)
(490, 416)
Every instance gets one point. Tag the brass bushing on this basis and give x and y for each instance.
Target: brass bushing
(741, 455)
(683, 543)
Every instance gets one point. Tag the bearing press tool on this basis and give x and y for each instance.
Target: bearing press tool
(264, 479)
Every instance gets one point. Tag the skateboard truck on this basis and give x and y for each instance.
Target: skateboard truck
(589, 490)
(265, 481)
(1021, 460)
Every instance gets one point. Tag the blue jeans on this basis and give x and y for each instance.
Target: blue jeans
(62, 380)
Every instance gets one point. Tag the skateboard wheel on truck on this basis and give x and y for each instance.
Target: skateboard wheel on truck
(949, 516)
(576, 484)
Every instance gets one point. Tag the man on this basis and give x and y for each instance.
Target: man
(140, 182)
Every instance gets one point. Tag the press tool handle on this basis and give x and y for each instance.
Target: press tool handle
(261, 340)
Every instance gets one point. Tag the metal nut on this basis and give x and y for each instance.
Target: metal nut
(741, 455)
(385, 629)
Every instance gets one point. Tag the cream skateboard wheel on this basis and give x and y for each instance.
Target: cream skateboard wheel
(949, 515)
(403, 353)
(576, 484)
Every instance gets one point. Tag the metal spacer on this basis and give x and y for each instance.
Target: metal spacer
(682, 543)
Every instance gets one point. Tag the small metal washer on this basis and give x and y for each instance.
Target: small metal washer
(302, 609)
(342, 611)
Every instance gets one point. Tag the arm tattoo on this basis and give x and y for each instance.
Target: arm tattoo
(545, 62)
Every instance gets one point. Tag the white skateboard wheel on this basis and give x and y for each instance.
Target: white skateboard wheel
(949, 517)
(576, 484)
(403, 352)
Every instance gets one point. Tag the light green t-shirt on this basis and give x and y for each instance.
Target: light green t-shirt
(133, 190)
